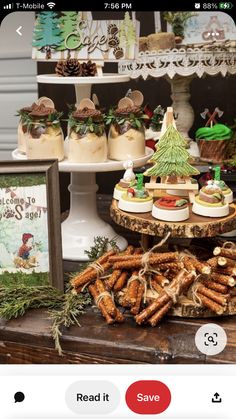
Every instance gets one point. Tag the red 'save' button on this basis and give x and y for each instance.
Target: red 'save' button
(148, 397)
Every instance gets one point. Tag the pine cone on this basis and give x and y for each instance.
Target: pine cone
(69, 68)
(60, 68)
(89, 69)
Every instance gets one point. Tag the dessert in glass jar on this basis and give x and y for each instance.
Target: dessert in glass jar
(22, 131)
(126, 138)
(87, 137)
(45, 138)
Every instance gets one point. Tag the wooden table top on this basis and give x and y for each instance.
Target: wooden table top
(28, 340)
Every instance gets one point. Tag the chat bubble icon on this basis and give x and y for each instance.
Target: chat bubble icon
(19, 397)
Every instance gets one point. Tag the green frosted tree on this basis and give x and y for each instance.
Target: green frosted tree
(69, 25)
(127, 33)
(47, 33)
(171, 157)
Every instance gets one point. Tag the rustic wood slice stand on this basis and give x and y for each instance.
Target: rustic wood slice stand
(195, 227)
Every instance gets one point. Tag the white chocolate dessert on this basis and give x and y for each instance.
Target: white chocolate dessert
(135, 200)
(126, 139)
(22, 131)
(171, 209)
(87, 138)
(127, 181)
(45, 138)
(211, 201)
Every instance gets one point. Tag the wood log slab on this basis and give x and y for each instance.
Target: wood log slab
(195, 226)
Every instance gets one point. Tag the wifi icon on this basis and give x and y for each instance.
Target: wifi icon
(51, 5)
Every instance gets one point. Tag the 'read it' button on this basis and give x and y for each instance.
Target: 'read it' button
(148, 397)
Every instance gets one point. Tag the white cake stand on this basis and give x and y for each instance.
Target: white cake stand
(83, 222)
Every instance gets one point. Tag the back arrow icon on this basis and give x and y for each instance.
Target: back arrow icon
(18, 30)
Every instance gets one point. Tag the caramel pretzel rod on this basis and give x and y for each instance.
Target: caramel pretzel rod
(132, 290)
(200, 267)
(213, 295)
(160, 279)
(91, 273)
(156, 286)
(226, 271)
(157, 317)
(226, 262)
(119, 317)
(95, 294)
(90, 276)
(223, 279)
(107, 299)
(159, 257)
(223, 251)
(121, 281)
(117, 272)
(162, 300)
(215, 286)
(187, 261)
(136, 262)
(212, 305)
(177, 266)
(136, 308)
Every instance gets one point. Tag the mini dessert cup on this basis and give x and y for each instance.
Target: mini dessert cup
(45, 138)
(126, 138)
(87, 141)
(171, 209)
(211, 200)
(133, 204)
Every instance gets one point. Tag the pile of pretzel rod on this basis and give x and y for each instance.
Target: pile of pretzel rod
(150, 283)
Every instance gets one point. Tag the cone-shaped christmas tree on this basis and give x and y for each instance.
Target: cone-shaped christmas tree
(171, 157)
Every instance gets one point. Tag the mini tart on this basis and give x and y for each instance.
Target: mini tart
(119, 191)
(207, 209)
(135, 204)
(166, 210)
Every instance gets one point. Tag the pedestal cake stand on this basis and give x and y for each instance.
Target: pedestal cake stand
(83, 222)
(180, 67)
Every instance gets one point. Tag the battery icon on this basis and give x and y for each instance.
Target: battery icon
(225, 5)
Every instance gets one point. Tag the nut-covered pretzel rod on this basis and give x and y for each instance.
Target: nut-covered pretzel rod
(136, 307)
(161, 301)
(132, 290)
(176, 266)
(224, 262)
(215, 286)
(94, 292)
(226, 271)
(156, 286)
(223, 251)
(212, 305)
(189, 266)
(161, 280)
(223, 279)
(157, 317)
(201, 267)
(136, 262)
(221, 299)
(91, 272)
(107, 299)
(159, 257)
(121, 281)
(117, 272)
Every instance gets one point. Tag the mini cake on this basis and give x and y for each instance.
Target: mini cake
(170, 209)
(183, 193)
(45, 138)
(136, 199)
(87, 138)
(126, 138)
(228, 194)
(127, 181)
(213, 141)
(211, 201)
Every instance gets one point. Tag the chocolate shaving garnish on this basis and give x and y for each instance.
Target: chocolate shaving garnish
(86, 113)
(41, 111)
(127, 111)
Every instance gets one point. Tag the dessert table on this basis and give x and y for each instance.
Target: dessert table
(180, 67)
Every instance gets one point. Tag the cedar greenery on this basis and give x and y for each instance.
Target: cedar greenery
(64, 309)
(51, 119)
(7, 181)
(136, 121)
(88, 125)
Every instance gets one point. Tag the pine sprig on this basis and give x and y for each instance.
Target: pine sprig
(88, 125)
(136, 121)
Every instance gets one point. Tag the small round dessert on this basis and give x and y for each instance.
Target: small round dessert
(87, 138)
(170, 209)
(210, 202)
(183, 193)
(135, 200)
(120, 188)
(127, 180)
(226, 191)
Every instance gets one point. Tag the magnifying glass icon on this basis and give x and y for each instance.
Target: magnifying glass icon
(210, 339)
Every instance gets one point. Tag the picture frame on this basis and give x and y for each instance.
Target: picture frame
(30, 229)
